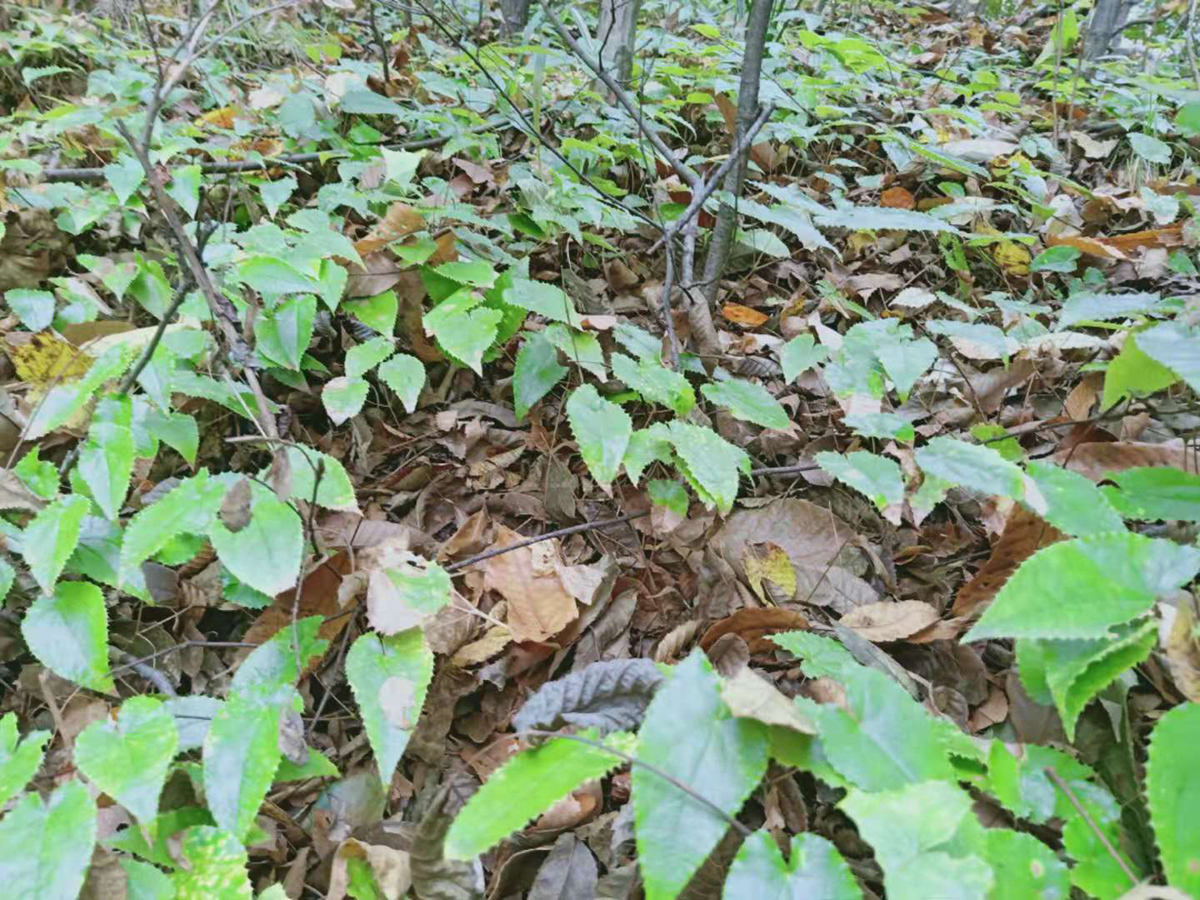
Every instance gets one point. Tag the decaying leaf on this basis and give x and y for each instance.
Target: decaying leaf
(892, 621)
(1025, 532)
(610, 696)
(754, 626)
(539, 606)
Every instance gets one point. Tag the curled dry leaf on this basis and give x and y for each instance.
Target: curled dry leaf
(539, 605)
(235, 507)
(753, 626)
(392, 869)
(675, 641)
(750, 696)
(890, 621)
(743, 315)
(493, 641)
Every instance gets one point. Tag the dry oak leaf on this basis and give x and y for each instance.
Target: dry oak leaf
(1025, 533)
(1097, 458)
(753, 626)
(743, 315)
(400, 221)
(890, 621)
(539, 606)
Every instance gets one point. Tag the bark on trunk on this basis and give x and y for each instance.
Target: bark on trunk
(1102, 26)
(515, 14)
(615, 37)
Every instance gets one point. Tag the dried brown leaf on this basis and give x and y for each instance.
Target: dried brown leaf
(1025, 533)
(753, 626)
(890, 621)
(539, 606)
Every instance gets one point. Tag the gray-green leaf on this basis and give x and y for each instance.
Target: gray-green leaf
(129, 758)
(601, 429)
(45, 849)
(68, 633)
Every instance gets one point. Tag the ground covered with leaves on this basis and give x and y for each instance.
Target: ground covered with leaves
(370, 530)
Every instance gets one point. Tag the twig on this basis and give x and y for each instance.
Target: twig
(184, 645)
(652, 769)
(156, 677)
(1190, 41)
(562, 532)
(299, 592)
(1070, 795)
(387, 75)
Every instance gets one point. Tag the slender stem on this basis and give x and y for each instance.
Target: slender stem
(299, 592)
(562, 532)
(1070, 795)
(177, 647)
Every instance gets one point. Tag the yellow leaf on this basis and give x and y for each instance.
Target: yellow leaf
(47, 359)
(1012, 258)
(769, 562)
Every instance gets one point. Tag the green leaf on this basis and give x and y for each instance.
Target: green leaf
(389, 676)
(536, 373)
(1133, 373)
(463, 332)
(655, 382)
(49, 540)
(1155, 492)
(269, 672)
(106, 465)
(876, 476)
(709, 463)
(241, 754)
(690, 734)
(601, 429)
(1080, 589)
(378, 312)
(186, 508)
(316, 766)
(645, 446)
(284, 333)
(405, 375)
(45, 849)
(343, 398)
(214, 865)
(129, 759)
(125, 176)
(475, 272)
(1150, 148)
(334, 490)
(814, 870)
(971, 465)
(179, 430)
(405, 595)
(273, 277)
(35, 309)
(1088, 306)
(68, 633)
(581, 347)
(1188, 118)
(799, 355)
(1173, 792)
(747, 401)
(145, 882)
(363, 357)
(906, 361)
(880, 218)
(882, 425)
(546, 300)
(276, 193)
(1074, 504)
(184, 188)
(1176, 346)
(266, 554)
(929, 855)
(1095, 871)
(670, 494)
(39, 476)
(1061, 258)
(19, 762)
(527, 785)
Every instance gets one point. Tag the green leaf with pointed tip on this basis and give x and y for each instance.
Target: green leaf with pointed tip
(747, 401)
(124, 176)
(389, 676)
(1155, 492)
(1074, 505)
(68, 633)
(378, 312)
(284, 333)
(906, 361)
(1150, 148)
(655, 382)
(145, 882)
(1088, 306)
(266, 554)
(405, 375)
(475, 272)
(129, 759)
(670, 494)
(343, 398)
(49, 540)
(647, 445)
(241, 755)
(1176, 346)
(971, 465)
(1081, 589)
(527, 785)
(333, 491)
(38, 475)
(186, 508)
(269, 672)
(364, 357)
(19, 762)
(709, 462)
(690, 734)
(799, 355)
(881, 425)
(214, 865)
(463, 328)
(106, 465)
(814, 869)
(638, 341)
(1095, 872)
(179, 430)
(1173, 792)
(1133, 373)
(273, 277)
(184, 188)
(45, 849)
(876, 476)
(601, 429)
(316, 766)
(35, 309)
(536, 373)
(1061, 258)
(581, 348)
(546, 300)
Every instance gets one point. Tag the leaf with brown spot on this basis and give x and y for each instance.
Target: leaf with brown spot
(753, 626)
(1025, 533)
(890, 621)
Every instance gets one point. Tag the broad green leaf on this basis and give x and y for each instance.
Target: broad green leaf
(975, 340)
(799, 355)
(333, 491)
(49, 540)
(880, 218)
(125, 176)
(814, 869)
(1088, 306)
(1076, 671)
(1074, 504)
(690, 735)
(184, 188)
(1133, 373)
(266, 554)
(970, 465)
(178, 430)
(39, 476)
(159, 842)
(881, 425)
(1173, 792)
(876, 476)
(389, 676)
(274, 277)
(646, 445)
(655, 382)
(601, 429)
(343, 398)
(1150, 148)
(316, 766)
(710, 463)
(1176, 346)
(68, 633)
(670, 494)
(129, 759)
(1081, 589)
(186, 508)
(20, 757)
(363, 357)
(1188, 118)
(1020, 781)
(269, 672)
(546, 300)
(1155, 492)
(378, 312)
(284, 333)
(906, 361)
(582, 348)
(536, 373)
(747, 401)
(45, 849)
(929, 855)
(405, 375)
(106, 465)
(1095, 872)
(638, 341)
(462, 331)
(1061, 258)
(192, 713)
(400, 165)
(35, 309)
(276, 193)
(145, 882)
(475, 272)
(241, 754)
(527, 785)
(214, 866)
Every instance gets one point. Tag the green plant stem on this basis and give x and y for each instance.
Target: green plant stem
(1074, 801)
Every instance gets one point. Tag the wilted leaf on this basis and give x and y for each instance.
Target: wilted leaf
(607, 696)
